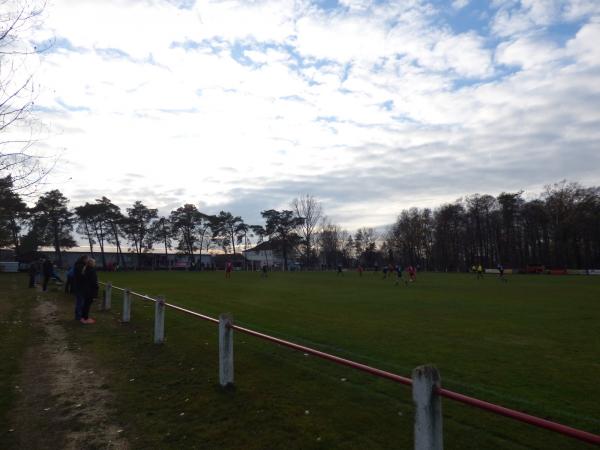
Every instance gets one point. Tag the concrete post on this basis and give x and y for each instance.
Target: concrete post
(428, 409)
(159, 320)
(126, 306)
(225, 350)
(107, 296)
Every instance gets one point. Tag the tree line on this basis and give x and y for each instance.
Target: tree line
(139, 229)
(559, 228)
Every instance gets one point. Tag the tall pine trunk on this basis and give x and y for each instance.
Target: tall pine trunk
(57, 246)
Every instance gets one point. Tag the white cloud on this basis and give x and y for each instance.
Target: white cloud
(528, 16)
(271, 98)
(460, 4)
(577, 9)
(528, 53)
(584, 46)
(531, 16)
(463, 53)
(356, 4)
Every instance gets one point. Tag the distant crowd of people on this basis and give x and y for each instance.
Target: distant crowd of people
(42, 270)
(480, 271)
(81, 281)
(388, 270)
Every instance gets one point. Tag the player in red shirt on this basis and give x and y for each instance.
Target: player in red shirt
(412, 273)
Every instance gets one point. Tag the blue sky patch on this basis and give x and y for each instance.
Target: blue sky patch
(72, 108)
(113, 53)
(388, 105)
(55, 45)
(473, 17)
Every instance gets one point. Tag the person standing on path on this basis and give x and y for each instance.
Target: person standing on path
(32, 274)
(78, 284)
(69, 280)
(47, 271)
(90, 290)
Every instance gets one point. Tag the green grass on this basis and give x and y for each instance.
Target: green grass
(532, 344)
(16, 334)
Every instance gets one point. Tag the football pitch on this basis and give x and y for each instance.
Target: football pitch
(532, 344)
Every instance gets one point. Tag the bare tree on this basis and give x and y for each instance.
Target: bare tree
(17, 93)
(311, 211)
(331, 242)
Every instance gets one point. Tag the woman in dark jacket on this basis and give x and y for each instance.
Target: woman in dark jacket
(89, 289)
(33, 270)
(78, 284)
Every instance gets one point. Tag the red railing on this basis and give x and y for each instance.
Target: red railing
(471, 401)
(522, 417)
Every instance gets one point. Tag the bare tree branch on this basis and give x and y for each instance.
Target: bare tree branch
(17, 156)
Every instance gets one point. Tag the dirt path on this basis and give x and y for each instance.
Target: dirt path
(65, 403)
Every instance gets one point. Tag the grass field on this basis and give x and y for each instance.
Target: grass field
(16, 335)
(532, 344)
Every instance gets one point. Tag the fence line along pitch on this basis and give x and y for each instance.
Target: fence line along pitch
(461, 398)
(521, 416)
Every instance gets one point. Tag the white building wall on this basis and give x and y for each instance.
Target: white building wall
(263, 257)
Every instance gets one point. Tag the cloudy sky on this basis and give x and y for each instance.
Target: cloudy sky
(370, 106)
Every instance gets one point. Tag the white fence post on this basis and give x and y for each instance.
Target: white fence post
(159, 320)
(107, 296)
(225, 350)
(126, 306)
(428, 409)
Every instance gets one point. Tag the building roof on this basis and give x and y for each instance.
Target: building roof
(224, 257)
(109, 250)
(263, 246)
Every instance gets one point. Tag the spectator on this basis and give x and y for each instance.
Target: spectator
(32, 273)
(47, 270)
(69, 281)
(78, 285)
(90, 290)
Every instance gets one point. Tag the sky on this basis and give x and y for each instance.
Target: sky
(368, 105)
